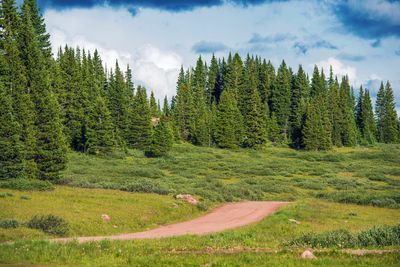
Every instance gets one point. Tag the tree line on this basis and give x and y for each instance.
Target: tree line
(232, 103)
(50, 104)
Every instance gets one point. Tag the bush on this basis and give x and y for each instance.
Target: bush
(9, 223)
(27, 185)
(145, 186)
(338, 238)
(378, 236)
(50, 224)
(387, 199)
(5, 194)
(202, 206)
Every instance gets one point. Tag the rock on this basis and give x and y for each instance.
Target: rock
(155, 121)
(294, 221)
(307, 254)
(105, 218)
(188, 198)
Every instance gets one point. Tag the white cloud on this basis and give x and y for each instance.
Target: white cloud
(339, 69)
(155, 69)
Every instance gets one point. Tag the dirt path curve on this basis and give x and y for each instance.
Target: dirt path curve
(228, 216)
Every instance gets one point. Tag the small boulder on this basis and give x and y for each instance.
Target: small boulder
(105, 218)
(294, 221)
(188, 198)
(307, 254)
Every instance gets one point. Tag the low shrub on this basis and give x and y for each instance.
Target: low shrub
(50, 224)
(202, 206)
(378, 199)
(27, 185)
(9, 223)
(145, 186)
(5, 194)
(338, 238)
(377, 236)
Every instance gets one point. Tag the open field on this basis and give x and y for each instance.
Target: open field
(318, 184)
(82, 209)
(364, 175)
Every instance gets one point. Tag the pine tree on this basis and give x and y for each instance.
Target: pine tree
(166, 109)
(40, 28)
(233, 79)
(140, 132)
(347, 122)
(162, 140)
(311, 130)
(298, 106)
(184, 111)
(13, 75)
(212, 82)
(100, 130)
(12, 163)
(50, 154)
(387, 119)
(119, 97)
(252, 111)
(380, 112)
(73, 96)
(228, 122)
(281, 99)
(154, 112)
(368, 130)
(334, 110)
(273, 130)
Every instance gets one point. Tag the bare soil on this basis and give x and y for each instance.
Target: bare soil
(226, 217)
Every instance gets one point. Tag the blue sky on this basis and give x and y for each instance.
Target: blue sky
(360, 38)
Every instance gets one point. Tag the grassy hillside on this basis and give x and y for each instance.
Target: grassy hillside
(82, 209)
(365, 175)
(348, 188)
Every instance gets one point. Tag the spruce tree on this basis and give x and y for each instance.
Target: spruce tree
(154, 111)
(298, 106)
(233, 79)
(334, 110)
(212, 82)
(50, 154)
(13, 75)
(347, 122)
(40, 28)
(387, 115)
(140, 132)
(281, 99)
(228, 122)
(380, 112)
(368, 130)
(166, 108)
(161, 141)
(311, 130)
(273, 130)
(252, 110)
(119, 97)
(100, 130)
(12, 163)
(184, 111)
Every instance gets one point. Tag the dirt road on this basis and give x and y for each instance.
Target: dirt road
(228, 216)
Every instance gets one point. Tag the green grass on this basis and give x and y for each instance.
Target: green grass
(82, 209)
(364, 175)
(324, 188)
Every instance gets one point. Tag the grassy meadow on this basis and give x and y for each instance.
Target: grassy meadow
(348, 188)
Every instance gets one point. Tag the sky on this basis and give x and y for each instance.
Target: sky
(155, 37)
